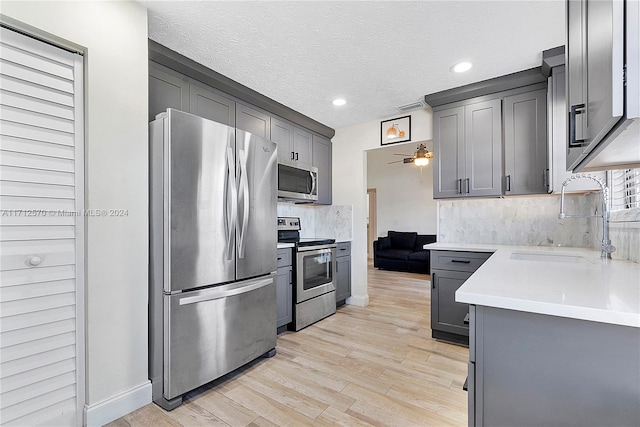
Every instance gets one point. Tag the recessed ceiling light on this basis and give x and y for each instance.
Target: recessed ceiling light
(461, 67)
(339, 101)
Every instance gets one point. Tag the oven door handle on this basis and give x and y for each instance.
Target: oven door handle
(317, 249)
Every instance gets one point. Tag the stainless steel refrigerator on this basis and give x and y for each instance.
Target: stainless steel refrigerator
(213, 238)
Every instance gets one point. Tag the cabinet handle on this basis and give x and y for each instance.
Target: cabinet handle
(508, 182)
(293, 155)
(336, 266)
(296, 157)
(460, 186)
(461, 261)
(433, 280)
(467, 181)
(279, 258)
(575, 110)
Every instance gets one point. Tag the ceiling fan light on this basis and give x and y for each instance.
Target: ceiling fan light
(421, 161)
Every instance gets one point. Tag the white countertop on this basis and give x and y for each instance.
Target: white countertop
(558, 281)
(285, 245)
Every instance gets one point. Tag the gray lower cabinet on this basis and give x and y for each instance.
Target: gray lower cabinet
(449, 270)
(468, 147)
(525, 143)
(253, 121)
(530, 369)
(343, 272)
(284, 288)
(322, 151)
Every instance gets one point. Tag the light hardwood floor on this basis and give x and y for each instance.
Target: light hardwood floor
(376, 365)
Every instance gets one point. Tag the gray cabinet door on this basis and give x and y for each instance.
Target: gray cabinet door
(525, 143)
(448, 142)
(343, 278)
(282, 134)
(284, 296)
(253, 121)
(447, 315)
(604, 68)
(322, 160)
(166, 90)
(302, 146)
(483, 148)
(206, 103)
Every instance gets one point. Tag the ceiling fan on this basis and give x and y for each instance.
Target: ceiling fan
(420, 157)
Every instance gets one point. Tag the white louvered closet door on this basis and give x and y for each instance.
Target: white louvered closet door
(41, 239)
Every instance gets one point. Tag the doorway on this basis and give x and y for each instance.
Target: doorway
(372, 220)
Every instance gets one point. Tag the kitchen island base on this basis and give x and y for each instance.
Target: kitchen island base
(534, 369)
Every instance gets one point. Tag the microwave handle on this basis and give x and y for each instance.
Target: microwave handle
(313, 182)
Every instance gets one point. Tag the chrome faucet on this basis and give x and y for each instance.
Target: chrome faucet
(606, 248)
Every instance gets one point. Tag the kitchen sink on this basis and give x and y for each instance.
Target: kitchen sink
(546, 257)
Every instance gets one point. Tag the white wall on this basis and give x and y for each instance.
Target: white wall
(350, 185)
(404, 192)
(113, 36)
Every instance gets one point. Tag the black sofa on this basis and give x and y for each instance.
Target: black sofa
(402, 251)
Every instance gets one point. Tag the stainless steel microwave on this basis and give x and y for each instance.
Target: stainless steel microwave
(297, 182)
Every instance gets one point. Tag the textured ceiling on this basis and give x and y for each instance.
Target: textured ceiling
(377, 55)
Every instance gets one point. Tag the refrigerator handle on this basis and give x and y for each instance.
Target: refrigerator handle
(217, 294)
(231, 210)
(244, 197)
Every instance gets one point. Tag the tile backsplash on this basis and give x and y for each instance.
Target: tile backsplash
(529, 221)
(335, 221)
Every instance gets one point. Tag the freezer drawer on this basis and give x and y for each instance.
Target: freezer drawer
(211, 332)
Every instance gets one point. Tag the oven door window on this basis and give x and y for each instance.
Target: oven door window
(317, 270)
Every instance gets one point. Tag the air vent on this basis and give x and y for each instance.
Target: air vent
(412, 106)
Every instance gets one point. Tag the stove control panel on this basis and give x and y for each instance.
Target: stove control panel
(288, 223)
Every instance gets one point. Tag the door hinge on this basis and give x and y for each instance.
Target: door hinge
(624, 75)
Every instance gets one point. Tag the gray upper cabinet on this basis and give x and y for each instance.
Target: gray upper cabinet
(595, 73)
(166, 90)
(322, 160)
(483, 148)
(205, 103)
(302, 146)
(468, 150)
(525, 143)
(282, 134)
(253, 121)
(448, 142)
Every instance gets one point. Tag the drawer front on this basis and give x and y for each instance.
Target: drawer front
(284, 257)
(343, 249)
(458, 261)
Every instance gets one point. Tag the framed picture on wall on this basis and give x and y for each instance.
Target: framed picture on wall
(395, 130)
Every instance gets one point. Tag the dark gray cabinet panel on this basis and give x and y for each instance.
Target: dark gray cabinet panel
(282, 134)
(449, 270)
(253, 121)
(210, 105)
(468, 150)
(483, 148)
(533, 369)
(343, 271)
(448, 140)
(166, 90)
(284, 288)
(322, 151)
(447, 315)
(302, 146)
(525, 143)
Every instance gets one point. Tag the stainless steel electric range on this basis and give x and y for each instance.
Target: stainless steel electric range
(314, 272)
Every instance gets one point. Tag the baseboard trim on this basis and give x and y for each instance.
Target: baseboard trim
(118, 406)
(359, 300)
